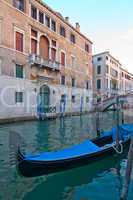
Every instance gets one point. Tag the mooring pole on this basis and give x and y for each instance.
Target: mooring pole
(122, 107)
(117, 121)
(128, 172)
(97, 123)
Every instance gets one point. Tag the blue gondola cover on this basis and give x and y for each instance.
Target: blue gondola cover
(75, 151)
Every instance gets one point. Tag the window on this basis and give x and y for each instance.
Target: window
(99, 84)
(72, 38)
(87, 99)
(99, 99)
(47, 21)
(107, 69)
(63, 58)
(107, 58)
(19, 71)
(53, 43)
(19, 4)
(53, 25)
(62, 31)
(73, 61)
(107, 85)
(114, 72)
(99, 69)
(41, 17)
(114, 84)
(33, 33)
(73, 99)
(87, 48)
(33, 12)
(87, 85)
(73, 82)
(19, 97)
(99, 58)
(33, 41)
(33, 46)
(53, 54)
(63, 80)
(122, 74)
(19, 41)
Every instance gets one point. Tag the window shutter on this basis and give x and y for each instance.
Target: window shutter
(33, 46)
(53, 54)
(19, 71)
(62, 59)
(19, 41)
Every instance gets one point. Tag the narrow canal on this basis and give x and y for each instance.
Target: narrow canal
(98, 181)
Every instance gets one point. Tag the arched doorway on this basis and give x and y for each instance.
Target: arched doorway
(44, 98)
(44, 47)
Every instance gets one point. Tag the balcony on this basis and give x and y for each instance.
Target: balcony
(42, 63)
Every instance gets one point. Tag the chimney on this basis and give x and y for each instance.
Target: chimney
(67, 19)
(78, 27)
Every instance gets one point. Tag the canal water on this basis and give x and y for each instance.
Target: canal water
(98, 181)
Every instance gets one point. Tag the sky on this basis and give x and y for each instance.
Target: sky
(107, 23)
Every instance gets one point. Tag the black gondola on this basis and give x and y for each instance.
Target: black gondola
(78, 155)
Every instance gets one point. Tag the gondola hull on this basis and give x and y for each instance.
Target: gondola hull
(33, 168)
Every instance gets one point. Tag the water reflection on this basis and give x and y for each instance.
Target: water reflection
(81, 183)
(52, 135)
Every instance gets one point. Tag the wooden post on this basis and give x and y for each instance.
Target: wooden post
(128, 172)
(122, 105)
(117, 120)
(97, 124)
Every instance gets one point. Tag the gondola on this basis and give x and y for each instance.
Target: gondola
(78, 155)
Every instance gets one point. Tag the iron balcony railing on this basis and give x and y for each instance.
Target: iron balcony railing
(46, 109)
(41, 62)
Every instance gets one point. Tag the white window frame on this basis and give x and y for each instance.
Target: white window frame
(35, 38)
(16, 29)
(19, 103)
(51, 25)
(24, 75)
(49, 21)
(62, 51)
(73, 57)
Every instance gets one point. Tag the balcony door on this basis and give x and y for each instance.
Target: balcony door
(44, 47)
(45, 98)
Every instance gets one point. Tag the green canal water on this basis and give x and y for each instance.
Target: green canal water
(99, 181)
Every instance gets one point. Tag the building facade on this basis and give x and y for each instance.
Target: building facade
(109, 77)
(45, 62)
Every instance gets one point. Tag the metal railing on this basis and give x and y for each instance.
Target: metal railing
(41, 62)
(46, 109)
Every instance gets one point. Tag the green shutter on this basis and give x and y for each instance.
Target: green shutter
(19, 71)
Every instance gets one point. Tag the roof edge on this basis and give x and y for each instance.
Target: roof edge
(62, 19)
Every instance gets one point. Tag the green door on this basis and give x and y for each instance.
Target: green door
(45, 98)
